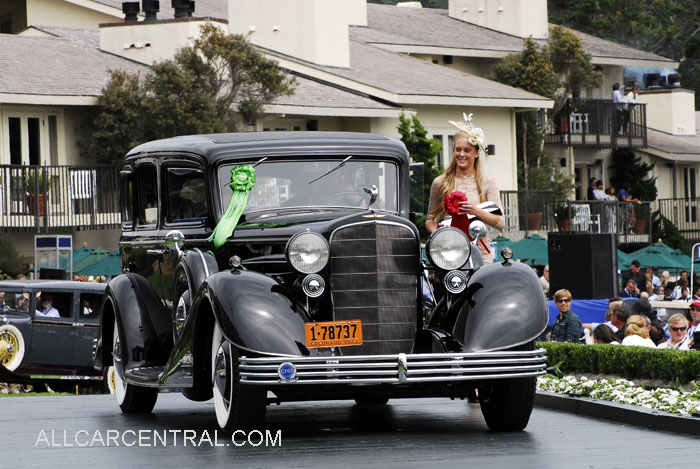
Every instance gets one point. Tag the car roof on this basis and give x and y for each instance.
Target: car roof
(214, 147)
(51, 285)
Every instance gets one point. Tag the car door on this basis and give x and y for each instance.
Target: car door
(52, 337)
(85, 326)
(141, 243)
(184, 197)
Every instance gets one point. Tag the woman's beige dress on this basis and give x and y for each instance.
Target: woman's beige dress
(467, 185)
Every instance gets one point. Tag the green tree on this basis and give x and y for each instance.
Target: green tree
(629, 170)
(217, 84)
(421, 150)
(9, 260)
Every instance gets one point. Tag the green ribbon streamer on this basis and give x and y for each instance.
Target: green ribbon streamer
(242, 181)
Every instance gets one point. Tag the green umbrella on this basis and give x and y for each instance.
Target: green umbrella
(531, 250)
(623, 259)
(658, 260)
(108, 266)
(94, 256)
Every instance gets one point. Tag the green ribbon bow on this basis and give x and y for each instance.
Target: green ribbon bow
(242, 181)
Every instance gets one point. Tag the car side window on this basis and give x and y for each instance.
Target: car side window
(147, 186)
(186, 195)
(54, 304)
(127, 197)
(90, 304)
(14, 301)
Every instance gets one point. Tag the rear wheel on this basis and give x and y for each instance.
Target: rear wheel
(132, 399)
(238, 406)
(507, 403)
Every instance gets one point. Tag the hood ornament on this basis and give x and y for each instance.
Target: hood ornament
(373, 194)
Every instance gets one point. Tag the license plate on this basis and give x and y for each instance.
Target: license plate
(334, 333)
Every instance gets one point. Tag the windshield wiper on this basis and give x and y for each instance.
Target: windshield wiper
(338, 166)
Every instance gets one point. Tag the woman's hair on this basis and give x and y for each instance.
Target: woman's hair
(636, 326)
(604, 334)
(448, 180)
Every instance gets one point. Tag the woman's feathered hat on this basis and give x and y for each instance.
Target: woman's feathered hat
(475, 134)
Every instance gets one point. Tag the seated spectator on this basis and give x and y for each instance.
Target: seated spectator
(668, 292)
(611, 303)
(696, 293)
(678, 290)
(618, 317)
(630, 290)
(544, 280)
(678, 325)
(694, 325)
(567, 327)
(665, 278)
(636, 332)
(47, 311)
(604, 335)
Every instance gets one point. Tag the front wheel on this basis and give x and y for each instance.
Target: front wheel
(238, 406)
(507, 403)
(132, 399)
(11, 347)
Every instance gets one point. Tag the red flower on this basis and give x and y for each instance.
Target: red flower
(452, 201)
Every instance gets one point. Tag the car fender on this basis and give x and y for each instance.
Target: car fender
(198, 266)
(504, 307)
(255, 313)
(144, 325)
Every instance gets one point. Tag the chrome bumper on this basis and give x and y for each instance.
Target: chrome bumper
(392, 369)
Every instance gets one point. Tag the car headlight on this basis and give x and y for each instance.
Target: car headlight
(308, 252)
(448, 248)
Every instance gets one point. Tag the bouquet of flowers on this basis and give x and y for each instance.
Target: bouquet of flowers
(459, 220)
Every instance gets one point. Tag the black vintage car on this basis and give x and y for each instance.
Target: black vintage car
(48, 328)
(320, 292)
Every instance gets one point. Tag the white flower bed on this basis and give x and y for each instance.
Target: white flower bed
(625, 392)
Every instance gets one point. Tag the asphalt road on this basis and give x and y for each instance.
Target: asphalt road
(420, 433)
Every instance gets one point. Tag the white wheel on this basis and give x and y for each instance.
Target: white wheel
(11, 347)
(237, 406)
(132, 399)
(111, 380)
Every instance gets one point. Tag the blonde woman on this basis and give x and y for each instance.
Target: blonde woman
(677, 326)
(637, 333)
(464, 174)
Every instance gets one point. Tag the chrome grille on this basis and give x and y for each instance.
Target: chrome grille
(374, 278)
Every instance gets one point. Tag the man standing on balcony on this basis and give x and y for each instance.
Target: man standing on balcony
(591, 189)
(619, 104)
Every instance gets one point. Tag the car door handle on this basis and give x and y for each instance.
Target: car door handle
(78, 324)
(156, 252)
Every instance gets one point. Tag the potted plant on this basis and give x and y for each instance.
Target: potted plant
(561, 213)
(37, 184)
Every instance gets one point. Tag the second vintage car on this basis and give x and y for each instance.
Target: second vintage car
(288, 263)
(47, 331)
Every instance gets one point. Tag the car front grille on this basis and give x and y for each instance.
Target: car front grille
(374, 278)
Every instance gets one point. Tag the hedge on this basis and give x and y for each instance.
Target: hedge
(624, 361)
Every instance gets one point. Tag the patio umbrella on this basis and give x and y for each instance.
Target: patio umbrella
(108, 266)
(531, 250)
(656, 259)
(90, 259)
(623, 259)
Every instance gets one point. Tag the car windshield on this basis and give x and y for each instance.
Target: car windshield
(288, 184)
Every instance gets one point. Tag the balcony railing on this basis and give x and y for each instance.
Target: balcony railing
(598, 123)
(527, 212)
(685, 214)
(48, 198)
(631, 222)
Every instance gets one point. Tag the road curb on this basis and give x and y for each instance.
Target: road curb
(621, 413)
